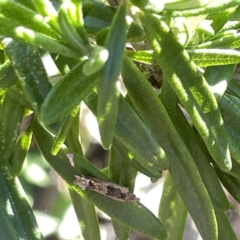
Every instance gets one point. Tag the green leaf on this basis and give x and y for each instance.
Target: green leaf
(135, 33)
(17, 95)
(183, 5)
(125, 177)
(225, 230)
(97, 16)
(27, 3)
(193, 91)
(141, 56)
(182, 168)
(229, 107)
(234, 140)
(172, 211)
(221, 18)
(47, 9)
(96, 61)
(76, 16)
(218, 78)
(61, 135)
(211, 7)
(20, 152)
(64, 64)
(124, 212)
(18, 221)
(86, 215)
(67, 94)
(61, 163)
(127, 213)
(7, 75)
(107, 88)
(232, 184)
(196, 147)
(30, 71)
(226, 41)
(234, 88)
(137, 137)
(11, 114)
(137, 161)
(37, 39)
(73, 140)
(151, 6)
(201, 57)
(69, 32)
(144, 153)
(214, 57)
(235, 171)
(25, 17)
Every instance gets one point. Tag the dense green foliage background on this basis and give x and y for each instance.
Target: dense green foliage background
(180, 111)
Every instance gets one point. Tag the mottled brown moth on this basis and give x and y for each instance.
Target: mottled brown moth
(109, 189)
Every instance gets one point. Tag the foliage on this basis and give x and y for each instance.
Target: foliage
(189, 125)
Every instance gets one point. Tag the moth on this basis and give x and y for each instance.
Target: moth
(109, 189)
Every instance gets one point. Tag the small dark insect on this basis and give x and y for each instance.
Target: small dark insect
(109, 189)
